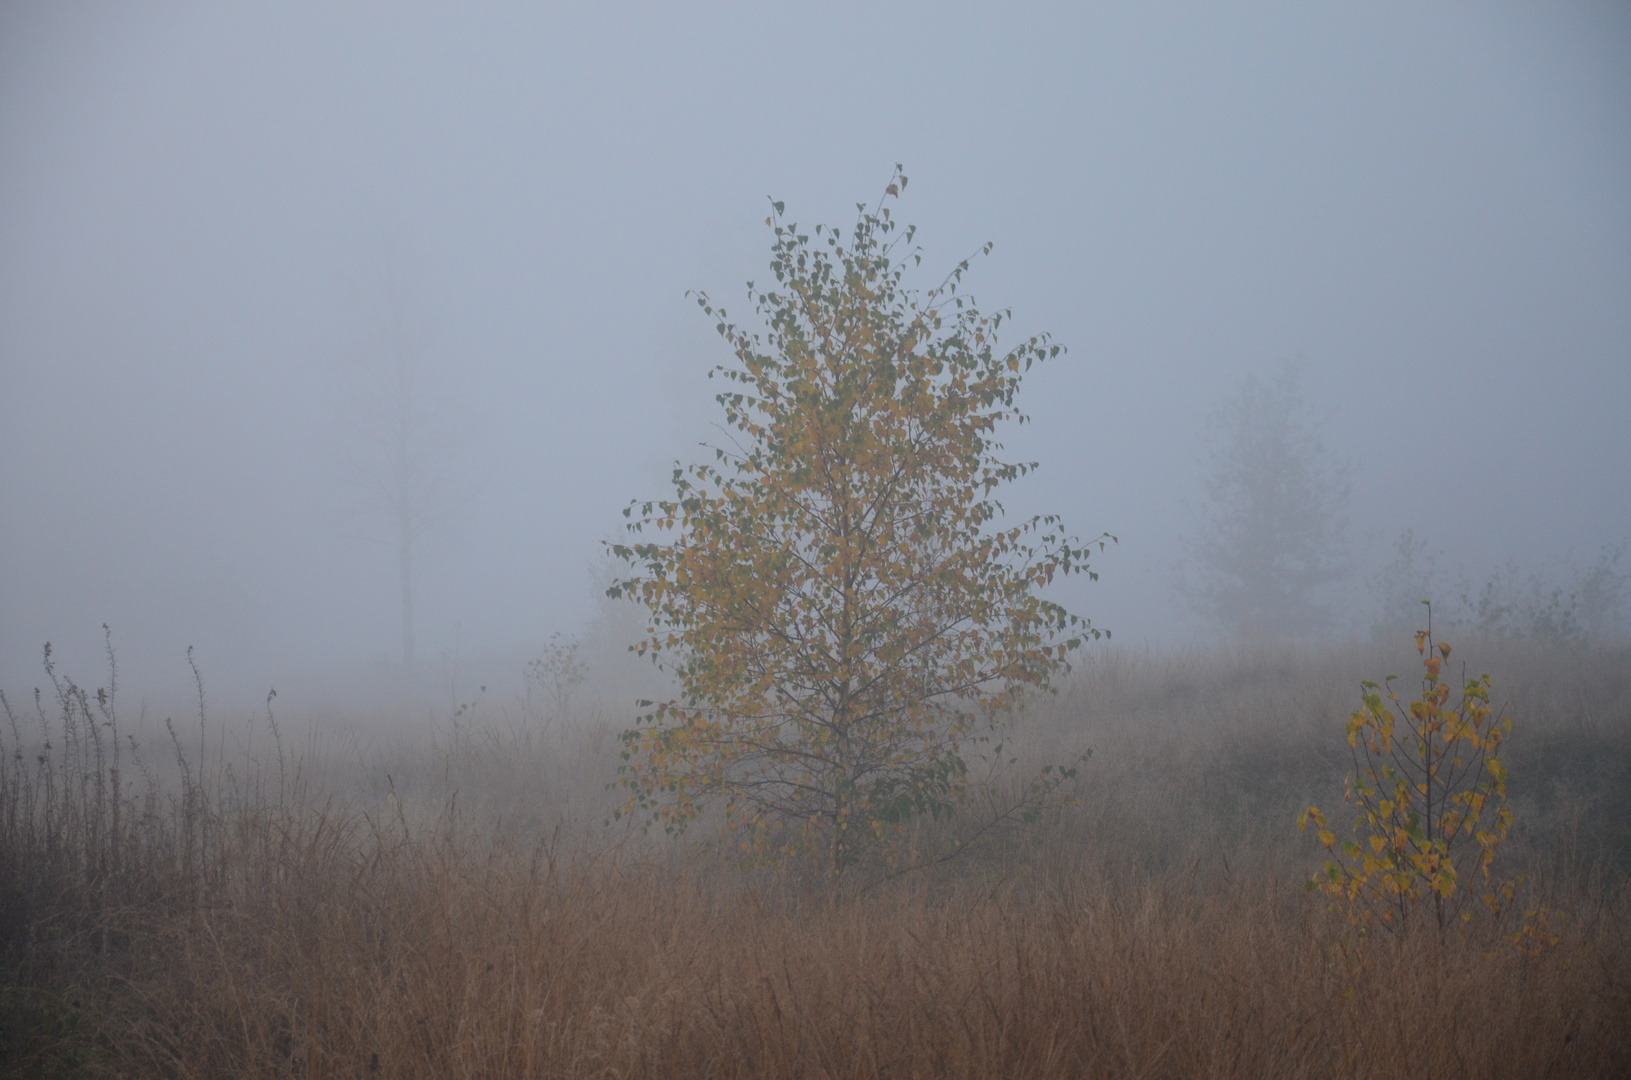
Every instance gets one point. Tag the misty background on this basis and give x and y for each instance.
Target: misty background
(223, 231)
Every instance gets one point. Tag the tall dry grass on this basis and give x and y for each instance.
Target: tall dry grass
(229, 922)
(427, 959)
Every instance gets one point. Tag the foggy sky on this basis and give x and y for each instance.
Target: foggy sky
(1430, 204)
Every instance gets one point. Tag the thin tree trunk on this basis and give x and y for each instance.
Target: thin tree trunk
(404, 553)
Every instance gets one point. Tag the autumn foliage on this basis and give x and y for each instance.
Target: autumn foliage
(845, 610)
(1430, 790)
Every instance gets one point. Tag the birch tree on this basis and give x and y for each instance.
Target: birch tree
(844, 604)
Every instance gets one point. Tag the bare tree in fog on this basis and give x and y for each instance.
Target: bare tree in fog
(1399, 587)
(1271, 539)
(1560, 603)
(405, 443)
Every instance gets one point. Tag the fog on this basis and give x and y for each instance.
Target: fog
(216, 219)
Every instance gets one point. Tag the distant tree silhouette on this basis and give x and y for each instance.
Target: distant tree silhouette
(1271, 538)
(403, 443)
(1399, 588)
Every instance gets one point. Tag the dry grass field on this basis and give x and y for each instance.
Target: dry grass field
(397, 906)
